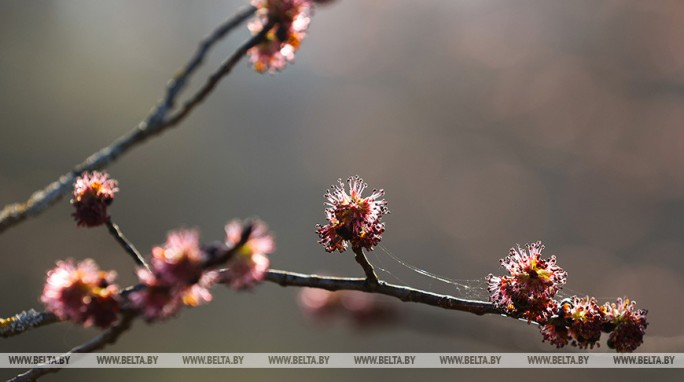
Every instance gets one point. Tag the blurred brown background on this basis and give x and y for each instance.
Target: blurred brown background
(488, 123)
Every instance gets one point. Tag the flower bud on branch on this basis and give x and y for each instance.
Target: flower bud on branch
(529, 290)
(352, 218)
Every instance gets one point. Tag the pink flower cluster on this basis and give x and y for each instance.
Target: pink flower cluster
(363, 309)
(179, 276)
(176, 277)
(291, 20)
(93, 193)
(249, 263)
(82, 293)
(532, 283)
(584, 319)
(529, 290)
(627, 324)
(352, 218)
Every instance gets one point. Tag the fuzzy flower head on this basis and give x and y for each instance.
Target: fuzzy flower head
(93, 193)
(81, 293)
(352, 218)
(179, 261)
(557, 335)
(198, 293)
(177, 278)
(586, 321)
(291, 20)
(532, 283)
(156, 300)
(529, 288)
(252, 242)
(628, 323)
(534, 275)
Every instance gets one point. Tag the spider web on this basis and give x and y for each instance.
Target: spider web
(471, 289)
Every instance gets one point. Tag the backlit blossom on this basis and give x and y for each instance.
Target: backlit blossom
(628, 324)
(557, 335)
(352, 218)
(93, 193)
(291, 20)
(179, 261)
(270, 55)
(81, 293)
(156, 300)
(249, 263)
(244, 272)
(586, 321)
(198, 293)
(176, 277)
(529, 288)
(258, 239)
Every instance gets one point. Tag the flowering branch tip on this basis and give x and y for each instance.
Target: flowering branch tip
(352, 218)
(529, 290)
(93, 193)
(290, 20)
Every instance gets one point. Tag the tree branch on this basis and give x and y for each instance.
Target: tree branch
(156, 122)
(115, 231)
(24, 321)
(217, 76)
(371, 276)
(406, 294)
(282, 278)
(105, 338)
(285, 278)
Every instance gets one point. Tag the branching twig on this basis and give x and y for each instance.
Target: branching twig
(105, 338)
(371, 276)
(404, 293)
(217, 76)
(182, 77)
(156, 122)
(125, 243)
(282, 278)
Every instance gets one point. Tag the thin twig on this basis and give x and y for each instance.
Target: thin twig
(24, 321)
(371, 276)
(105, 338)
(155, 123)
(125, 243)
(217, 76)
(407, 294)
(182, 77)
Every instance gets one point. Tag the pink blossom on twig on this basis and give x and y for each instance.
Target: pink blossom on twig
(352, 218)
(528, 290)
(291, 20)
(252, 243)
(629, 325)
(93, 193)
(179, 261)
(156, 300)
(82, 293)
(586, 321)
